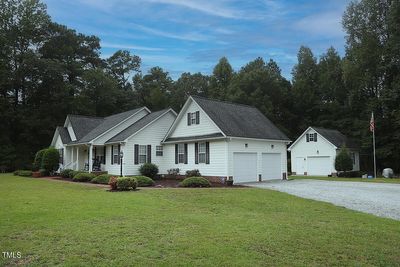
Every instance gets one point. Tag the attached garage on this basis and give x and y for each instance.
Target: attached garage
(271, 166)
(321, 165)
(244, 167)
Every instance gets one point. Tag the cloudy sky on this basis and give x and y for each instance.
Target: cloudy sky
(191, 35)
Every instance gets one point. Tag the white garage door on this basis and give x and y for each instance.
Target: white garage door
(271, 166)
(319, 165)
(245, 167)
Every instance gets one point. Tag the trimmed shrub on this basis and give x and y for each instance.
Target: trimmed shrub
(66, 173)
(343, 161)
(37, 162)
(50, 161)
(350, 174)
(101, 179)
(113, 182)
(193, 173)
(83, 177)
(195, 182)
(73, 173)
(143, 181)
(149, 170)
(25, 173)
(126, 183)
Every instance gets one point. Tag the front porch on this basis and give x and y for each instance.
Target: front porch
(87, 157)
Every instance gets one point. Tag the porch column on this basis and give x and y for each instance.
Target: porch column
(72, 156)
(77, 158)
(90, 158)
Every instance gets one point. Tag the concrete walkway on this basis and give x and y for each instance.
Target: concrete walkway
(380, 199)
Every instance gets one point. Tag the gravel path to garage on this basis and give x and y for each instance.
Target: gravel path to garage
(376, 198)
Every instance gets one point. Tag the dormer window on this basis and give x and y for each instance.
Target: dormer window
(193, 118)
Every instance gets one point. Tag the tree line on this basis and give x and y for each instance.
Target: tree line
(48, 70)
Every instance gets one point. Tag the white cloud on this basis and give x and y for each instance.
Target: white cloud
(133, 47)
(325, 24)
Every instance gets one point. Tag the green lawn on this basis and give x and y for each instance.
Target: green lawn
(377, 180)
(60, 223)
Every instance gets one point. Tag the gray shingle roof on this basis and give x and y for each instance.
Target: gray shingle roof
(238, 120)
(196, 137)
(63, 132)
(137, 126)
(336, 137)
(82, 125)
(106, 124)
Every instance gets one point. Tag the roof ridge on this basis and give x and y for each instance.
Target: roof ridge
(223, 101)
(84, 116)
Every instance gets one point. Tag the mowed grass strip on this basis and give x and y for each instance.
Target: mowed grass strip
(343, 179)
(59, 223)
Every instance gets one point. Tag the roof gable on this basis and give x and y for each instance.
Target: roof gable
(139, 125)
(237, 120)
(82, 125)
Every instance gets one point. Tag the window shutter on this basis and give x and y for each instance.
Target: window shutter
(136, 152)
(104, 155)
(176, 153)
(196, 153)
(95, 152)
(207, 153)
(119, 151)
(112, 155)
(308, 137)
(189, 118)
(186, 154)
(197, 117)
(148, 153)
(315, 137)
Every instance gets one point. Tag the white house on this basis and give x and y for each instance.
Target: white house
(222, 140)
(314, 152)
(226, 141)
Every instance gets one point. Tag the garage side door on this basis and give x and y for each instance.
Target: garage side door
(271, 166)
(319, 165)
(245, 167)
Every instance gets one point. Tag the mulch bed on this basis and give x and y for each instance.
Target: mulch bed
(164, 183)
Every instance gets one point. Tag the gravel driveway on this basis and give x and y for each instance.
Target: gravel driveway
(376, 198)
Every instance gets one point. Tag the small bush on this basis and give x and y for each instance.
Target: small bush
(101, 179)
(144, 181)
(126, 183)
(73, 173)
(195, 182)
(113, 182)
(83, 177)
(193, 173)
(149, 170)
(66, 173)
(37, 162)
(350, 174)
(50, 161)
(343, 161)
(25, 173)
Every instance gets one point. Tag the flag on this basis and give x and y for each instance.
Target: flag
(372, 123)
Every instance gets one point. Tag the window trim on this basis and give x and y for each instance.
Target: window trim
(311, 137)
(181, 152)
(193, 118)
(115, 155)
(140, 154)
(159, 151)
(202, 150)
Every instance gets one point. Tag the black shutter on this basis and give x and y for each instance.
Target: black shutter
(189, 119)
(308, 137)
(95, 152)
(119, 153)
(186, 154)
(148, 153)
(207, 153)
(104, 154)
(136, 156)
(315, 137)
(196, 153)
(112, 155)
(197, 117)
(176, 153)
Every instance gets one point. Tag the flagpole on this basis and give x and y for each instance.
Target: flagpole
(373, 141)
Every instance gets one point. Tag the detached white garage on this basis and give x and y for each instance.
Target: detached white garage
(319, 165)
